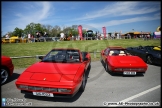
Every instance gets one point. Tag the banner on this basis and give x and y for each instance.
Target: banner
(104, 31)
(157, 34)
(80, 31)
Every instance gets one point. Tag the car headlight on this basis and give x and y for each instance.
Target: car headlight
(64, 90)
(22, 87)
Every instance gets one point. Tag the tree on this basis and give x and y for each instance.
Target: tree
(17, 32)
(56, 30)
(32, 28)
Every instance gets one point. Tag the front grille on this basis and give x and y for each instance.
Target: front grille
(42, 88)
(130, 69)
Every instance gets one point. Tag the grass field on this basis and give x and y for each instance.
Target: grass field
(42, 48)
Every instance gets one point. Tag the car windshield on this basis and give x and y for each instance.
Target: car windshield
(149, 48)
(63, 56)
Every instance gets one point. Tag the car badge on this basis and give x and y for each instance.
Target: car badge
(44, 79)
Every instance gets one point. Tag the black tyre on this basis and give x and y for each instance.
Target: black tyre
(89, 67)
(149, 59)
(4, 75)
(101, 58)
(82, 87)
(106, 67)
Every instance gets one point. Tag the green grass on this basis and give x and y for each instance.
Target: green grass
(42, 48)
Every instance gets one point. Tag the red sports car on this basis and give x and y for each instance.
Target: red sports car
(117, 60)
(7, 68)
(61, 73)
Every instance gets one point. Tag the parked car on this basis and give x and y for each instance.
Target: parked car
(55, 39)
(44, 39)
(89, 35)
(61, 73)
(7, 68)
(14, 39)
(118, 60)
(150, 54)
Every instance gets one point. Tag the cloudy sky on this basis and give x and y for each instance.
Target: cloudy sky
(117, 16)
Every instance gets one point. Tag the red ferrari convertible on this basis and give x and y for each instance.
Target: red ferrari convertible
(117, 60)
(7, 68)
(61, 73)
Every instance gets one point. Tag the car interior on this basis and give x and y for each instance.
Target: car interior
(122, 53)
(111, 52)
(75, 56)
(117, 53)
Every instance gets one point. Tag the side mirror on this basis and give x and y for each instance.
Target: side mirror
(85, 59)
(41, 57)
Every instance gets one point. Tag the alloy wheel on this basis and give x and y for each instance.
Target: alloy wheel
(4, 76)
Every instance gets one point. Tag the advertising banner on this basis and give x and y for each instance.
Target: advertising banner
(80, 31)
(104, 31)
(157, 34)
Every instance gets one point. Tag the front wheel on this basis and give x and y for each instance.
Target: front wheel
(4, 75)
(149, 59)
(82, 87)
(106, 67)
(101, 58)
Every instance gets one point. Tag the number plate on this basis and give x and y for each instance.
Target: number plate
(43, 94)
(129, 73)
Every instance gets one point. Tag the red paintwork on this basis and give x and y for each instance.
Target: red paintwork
(127, 61)
(7, 62)
(55, 75)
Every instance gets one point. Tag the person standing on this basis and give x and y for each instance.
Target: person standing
(7, 36)
(128, 36)
(29, 38)
(117, 35)
(45, 34)
(148, 36)
(37, 37)
(113, 35)
(61, 36)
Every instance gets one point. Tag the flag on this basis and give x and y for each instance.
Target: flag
(104, 31)
(80, 31)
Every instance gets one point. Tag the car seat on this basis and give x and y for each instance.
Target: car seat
(75, 56)
(122, 53)
(111, 52)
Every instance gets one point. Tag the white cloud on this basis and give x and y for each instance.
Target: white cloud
(26, 18)
(43, 12)
(123, 21)
(122, 9)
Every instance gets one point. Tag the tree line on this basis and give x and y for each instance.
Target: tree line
(52, 31)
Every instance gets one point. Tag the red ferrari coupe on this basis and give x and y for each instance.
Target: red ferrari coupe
(61, 73)
(117, 60)
(7, 68)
